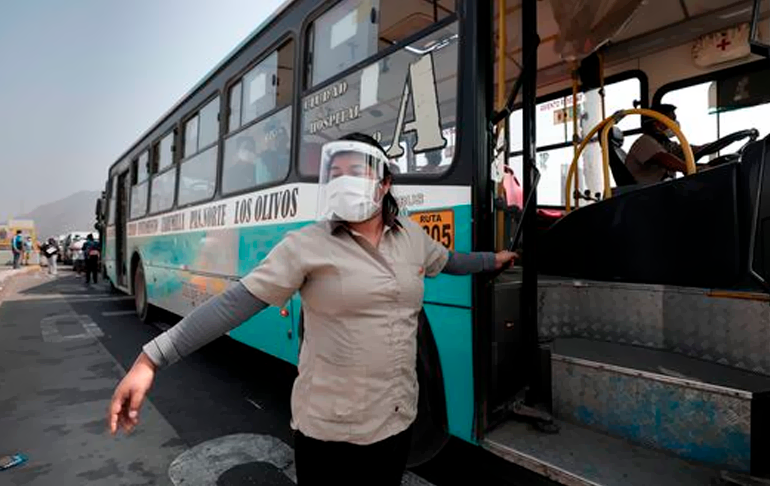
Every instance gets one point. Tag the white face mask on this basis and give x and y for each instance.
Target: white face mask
(352, 199)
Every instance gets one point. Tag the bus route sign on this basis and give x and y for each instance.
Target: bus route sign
(440, 225)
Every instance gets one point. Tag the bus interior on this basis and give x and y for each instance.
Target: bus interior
(632, 345)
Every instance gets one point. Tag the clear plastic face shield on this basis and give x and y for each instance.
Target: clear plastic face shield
(350, 181)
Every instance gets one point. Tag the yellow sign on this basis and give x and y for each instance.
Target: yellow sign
(440, 225)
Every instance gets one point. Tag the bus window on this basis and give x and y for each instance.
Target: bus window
(554, 116)
(554, 136)
(139, 186)
(164, 152)
(266, 86)
(162, 197)
(164, 180)
(709, 110)
(198, 171)
(378, 100)
(695, 111)
(259, 154)
(354, 30)
(113, 197)
(198, 175)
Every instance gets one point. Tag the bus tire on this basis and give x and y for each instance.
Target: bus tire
(143, 307)
(430, 430)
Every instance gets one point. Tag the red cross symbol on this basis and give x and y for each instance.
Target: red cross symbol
(723, 43)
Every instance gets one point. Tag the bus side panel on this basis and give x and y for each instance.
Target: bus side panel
(450, 289)
(451, 328)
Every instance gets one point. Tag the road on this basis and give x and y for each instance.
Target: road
(221, 416)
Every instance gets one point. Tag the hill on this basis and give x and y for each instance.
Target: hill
(73, 213)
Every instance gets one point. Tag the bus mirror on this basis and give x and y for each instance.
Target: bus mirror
(99, 207)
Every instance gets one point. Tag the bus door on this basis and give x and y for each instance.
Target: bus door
(121, 216)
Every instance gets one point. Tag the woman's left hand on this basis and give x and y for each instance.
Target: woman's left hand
(505, 258)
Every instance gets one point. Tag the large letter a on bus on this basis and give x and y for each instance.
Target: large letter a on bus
(420, 87)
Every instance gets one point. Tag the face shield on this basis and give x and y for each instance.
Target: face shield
(350, 181)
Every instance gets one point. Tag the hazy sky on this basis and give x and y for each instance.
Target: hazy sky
(80, 80)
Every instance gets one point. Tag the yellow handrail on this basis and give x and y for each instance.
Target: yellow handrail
(605, 125)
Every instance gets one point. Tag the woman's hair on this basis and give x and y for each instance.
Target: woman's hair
(389, 203)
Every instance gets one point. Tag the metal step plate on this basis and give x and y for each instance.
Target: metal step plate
(697, 410)
(581, 457)
(729, 328)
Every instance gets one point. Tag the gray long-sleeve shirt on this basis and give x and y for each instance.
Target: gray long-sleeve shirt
(231, 308)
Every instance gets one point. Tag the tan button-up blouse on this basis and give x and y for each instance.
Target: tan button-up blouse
(357, 378)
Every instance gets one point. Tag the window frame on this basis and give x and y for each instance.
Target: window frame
(308, 40)
(174, 166)
(715, 77)
(304, 89)
(181, 141)
(196, 113)
(293, 103)
(615, 78)
(134, 174)
(215, 193)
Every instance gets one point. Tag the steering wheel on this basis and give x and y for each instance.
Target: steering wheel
(717, 145)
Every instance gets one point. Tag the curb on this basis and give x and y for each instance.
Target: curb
(22, 271)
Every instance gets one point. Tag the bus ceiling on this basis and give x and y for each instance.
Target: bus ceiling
(571, 30)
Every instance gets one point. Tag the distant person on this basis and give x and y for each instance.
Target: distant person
(17, 248)
(91, 256)
(50, 250)
(27, 249)
(654, 157)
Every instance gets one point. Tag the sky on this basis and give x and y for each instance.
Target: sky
(80, 80)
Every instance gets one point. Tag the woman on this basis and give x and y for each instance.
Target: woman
(50, 251)
(360, 274)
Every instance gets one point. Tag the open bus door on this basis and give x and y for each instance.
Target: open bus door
(650, 361)
(121, 217)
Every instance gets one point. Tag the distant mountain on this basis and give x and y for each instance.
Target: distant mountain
(73, 213)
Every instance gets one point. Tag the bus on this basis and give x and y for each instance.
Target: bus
(631, 346)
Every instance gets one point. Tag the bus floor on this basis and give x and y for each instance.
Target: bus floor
(219, 417)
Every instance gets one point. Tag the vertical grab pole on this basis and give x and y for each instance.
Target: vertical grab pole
(502, 41)
(529, 317)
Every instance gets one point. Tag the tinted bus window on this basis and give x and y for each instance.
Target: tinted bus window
(142, 167)
(138, 200)
(353, 30)
(267, 86)
(713, 109)
(197, 179)
(373, 100)
(164, 153)
(163, 187)
(258, 155)
(202, 129)
(554, 130)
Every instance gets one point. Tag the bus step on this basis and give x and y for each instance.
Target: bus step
(697, 410)
(577, 456)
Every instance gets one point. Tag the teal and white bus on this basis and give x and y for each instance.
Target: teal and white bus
(633, 344)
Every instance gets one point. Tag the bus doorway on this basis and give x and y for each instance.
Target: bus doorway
(121, 215)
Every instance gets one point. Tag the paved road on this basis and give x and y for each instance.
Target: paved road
(219, 417)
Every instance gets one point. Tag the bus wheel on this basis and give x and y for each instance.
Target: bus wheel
(143, 307)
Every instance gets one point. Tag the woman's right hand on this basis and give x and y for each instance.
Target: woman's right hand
(129, 395)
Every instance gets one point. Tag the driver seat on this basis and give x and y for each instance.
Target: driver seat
(620, 172)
